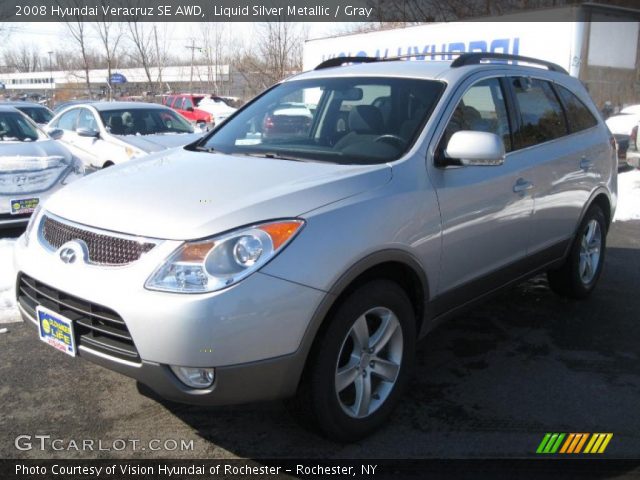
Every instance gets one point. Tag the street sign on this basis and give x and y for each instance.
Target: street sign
(118, 78)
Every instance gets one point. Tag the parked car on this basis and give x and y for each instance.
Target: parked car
(287, 119)
(106, 133)
(626, 123)
(40, 114)
(243, 268)
(32, 167)
(64, 105)
(217, 107)
(186, 105)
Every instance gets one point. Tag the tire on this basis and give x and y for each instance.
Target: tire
(575, 279)
(342, 415)
(107, 164)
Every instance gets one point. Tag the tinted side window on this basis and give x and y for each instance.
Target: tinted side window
(481, 109)
(68, 120)
(578, 115)
(541, 113)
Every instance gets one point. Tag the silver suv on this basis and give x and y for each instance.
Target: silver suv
(308, 261)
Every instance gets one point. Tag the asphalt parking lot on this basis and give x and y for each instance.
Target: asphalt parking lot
(489, 384)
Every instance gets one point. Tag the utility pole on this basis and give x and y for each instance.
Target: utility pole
(193, 48)
(50, 82)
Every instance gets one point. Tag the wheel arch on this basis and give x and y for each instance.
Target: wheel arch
(395, 265)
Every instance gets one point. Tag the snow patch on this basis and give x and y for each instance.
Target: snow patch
(628, 196)
(8, 309)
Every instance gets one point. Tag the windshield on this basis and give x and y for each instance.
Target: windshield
(144, 121)
(15, 127)
(340, 120)
(37, 114)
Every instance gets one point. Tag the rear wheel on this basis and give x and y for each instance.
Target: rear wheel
(361, 364)
(580, 273)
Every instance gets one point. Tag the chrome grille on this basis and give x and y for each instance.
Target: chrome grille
(103, 249)
(96, 327)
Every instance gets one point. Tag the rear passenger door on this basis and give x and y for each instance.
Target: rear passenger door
(562, 155)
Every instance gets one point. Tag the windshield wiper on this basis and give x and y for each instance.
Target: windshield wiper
(276, 156)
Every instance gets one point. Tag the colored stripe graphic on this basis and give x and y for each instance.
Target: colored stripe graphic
(556, 443)
(551, 443)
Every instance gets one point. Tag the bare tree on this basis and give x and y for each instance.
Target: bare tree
(215, 52)
(278, 54)
(110, 35)
(78, 31)
(23, 58)
(143, 52)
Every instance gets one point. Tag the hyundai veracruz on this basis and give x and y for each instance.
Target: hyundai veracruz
(249, 266)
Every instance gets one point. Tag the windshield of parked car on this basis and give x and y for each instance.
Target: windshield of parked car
(144, 121)
(37, 114)
(15, 127)
(352, 120)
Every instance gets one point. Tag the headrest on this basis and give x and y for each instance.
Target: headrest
(366, 119)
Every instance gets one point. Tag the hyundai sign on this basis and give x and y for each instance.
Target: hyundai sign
(118, 78)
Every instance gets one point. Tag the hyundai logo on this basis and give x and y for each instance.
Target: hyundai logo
(68, 255)
(73, 251)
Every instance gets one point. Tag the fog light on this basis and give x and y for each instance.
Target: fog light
(195, 377)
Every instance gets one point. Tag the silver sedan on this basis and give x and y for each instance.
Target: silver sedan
(32, 166)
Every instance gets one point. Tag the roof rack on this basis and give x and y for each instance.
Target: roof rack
(477, 57)
(339, 61)
(472, 58)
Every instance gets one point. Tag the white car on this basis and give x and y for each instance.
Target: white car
(217, 107)
(106, 133)
(626, 123)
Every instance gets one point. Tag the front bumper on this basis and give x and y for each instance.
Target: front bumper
(250, 333)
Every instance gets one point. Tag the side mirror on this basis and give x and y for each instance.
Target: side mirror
(55, 133)
(189, 109)
(87, 132)
(475, 148)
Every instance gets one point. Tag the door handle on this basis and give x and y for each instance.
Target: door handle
(522, 186)
(585, 163)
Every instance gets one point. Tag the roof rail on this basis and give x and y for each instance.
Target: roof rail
(471, 58)
(339, 61)
(477, 57)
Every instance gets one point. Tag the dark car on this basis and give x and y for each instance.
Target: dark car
(622, 141)
(38, 113)
(287, 119)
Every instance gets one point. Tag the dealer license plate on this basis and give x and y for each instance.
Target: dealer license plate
(56, 330)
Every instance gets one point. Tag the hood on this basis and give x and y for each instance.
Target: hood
(32, 167)
(10, 153)
(159, 141)
(183, 195)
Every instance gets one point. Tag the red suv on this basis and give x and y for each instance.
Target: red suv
(186, 104)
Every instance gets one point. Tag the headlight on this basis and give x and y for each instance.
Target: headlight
(133, 152)
(32, 223)
(219, 262)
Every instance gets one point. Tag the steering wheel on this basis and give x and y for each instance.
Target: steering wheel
(392, 139)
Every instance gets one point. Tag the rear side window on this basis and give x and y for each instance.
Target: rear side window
(542, 118)
(578, 115)
(186, 103)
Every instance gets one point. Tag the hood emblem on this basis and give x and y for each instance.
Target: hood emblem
(71, 251)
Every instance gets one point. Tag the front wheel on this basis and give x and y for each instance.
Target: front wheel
(578, 276)
(361, 363)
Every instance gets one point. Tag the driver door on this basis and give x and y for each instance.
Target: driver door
(485, 216)
(88, 147)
